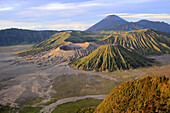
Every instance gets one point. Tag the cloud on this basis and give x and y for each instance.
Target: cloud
(41, 26)
(73, 26)
(145, 16)
(79, 5)
(62, 6)
(134, 1)
(12, 24)
(152, 17)
(6, 8)
(74, 14)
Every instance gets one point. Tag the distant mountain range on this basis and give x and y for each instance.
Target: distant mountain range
(108, 22)
(113, 22)
(16, 36)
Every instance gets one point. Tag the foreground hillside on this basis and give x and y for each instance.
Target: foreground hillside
(20, 36)
(145, 41)
(150, 94)
(111, 58)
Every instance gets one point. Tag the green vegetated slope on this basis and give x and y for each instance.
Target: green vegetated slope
(145, 41)
(111, 58)
(147, 95)
(61, 38)
(20, 36)
(53, 41)
(7, 109)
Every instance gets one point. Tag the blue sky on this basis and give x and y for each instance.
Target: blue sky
(77, 14)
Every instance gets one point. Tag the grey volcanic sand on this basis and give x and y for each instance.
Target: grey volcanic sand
(19, 82)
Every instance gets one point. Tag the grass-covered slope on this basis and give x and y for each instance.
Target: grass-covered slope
(145, 41)
(61, 38)
(20, 36)
(53, 41)
(110, 58)
(147, 95)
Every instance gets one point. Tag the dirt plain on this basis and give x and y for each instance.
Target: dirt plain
(20, 83)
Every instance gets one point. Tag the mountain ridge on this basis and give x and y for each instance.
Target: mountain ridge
(127, 26)
(145, 41)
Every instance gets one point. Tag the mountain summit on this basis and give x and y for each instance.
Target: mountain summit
(113, 22)
(109, 21)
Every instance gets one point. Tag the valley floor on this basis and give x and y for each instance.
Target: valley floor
(46, 87)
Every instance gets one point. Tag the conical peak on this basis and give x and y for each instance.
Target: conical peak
(113, 17)
(111, 58)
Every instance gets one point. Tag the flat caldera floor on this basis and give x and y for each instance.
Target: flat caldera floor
(46, 87)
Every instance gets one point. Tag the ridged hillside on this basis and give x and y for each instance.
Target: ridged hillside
(147, 95)
(145, 41)
(61, 38)
(53, 41)
(110, 58)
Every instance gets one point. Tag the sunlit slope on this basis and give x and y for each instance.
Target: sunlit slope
(61, 38)
(52, 42)
(110, 58)
(147, 95)
(145, 41)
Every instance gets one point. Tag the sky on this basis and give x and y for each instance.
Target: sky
(77, 14)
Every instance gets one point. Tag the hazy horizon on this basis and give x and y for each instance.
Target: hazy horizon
(77, 15)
